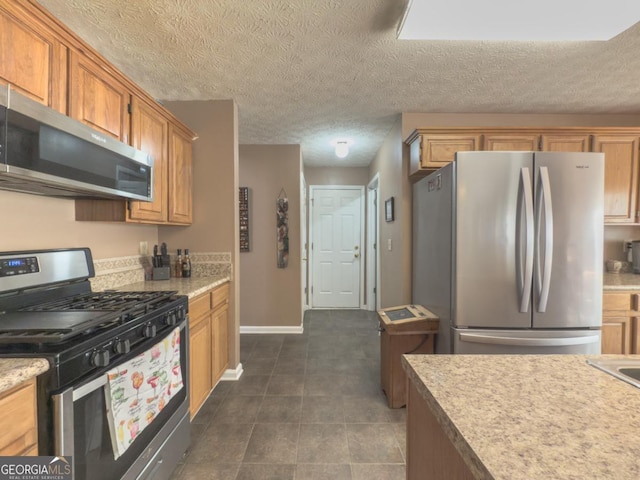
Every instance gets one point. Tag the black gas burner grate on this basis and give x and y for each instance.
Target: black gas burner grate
(107, 301)
(65, 318)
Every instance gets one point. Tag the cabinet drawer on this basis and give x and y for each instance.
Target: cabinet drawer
(220, 295)
(200, 306)
(617, 302)
(18, 411)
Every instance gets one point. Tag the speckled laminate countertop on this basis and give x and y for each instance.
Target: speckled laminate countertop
(192, 287)
(524, 417)
(621, 281)
(14, 371)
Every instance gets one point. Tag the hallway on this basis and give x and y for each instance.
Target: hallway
(307, 407)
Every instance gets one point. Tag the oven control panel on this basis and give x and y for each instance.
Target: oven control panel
(18, 266)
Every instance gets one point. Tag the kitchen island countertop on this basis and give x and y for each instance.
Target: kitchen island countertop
(520, 417)
(192, 287)
(14, 371)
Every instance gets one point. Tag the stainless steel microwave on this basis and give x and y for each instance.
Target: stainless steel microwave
(47, 153)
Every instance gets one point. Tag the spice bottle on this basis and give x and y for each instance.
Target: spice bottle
(186, 264)
(178, 266)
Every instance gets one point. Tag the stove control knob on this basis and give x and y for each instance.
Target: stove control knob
(149, 331)
(171, 318)
(100, 358)
(180, 314)
(122, 346)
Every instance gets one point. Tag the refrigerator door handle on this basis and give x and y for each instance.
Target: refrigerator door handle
(528, 342)
(525, 273)
(544, 272)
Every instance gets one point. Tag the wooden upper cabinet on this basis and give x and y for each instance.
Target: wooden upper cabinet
(180, 176)
(97, 98)
(432, 151)
(512, 142)
(32, 58)
(149, 133)
(565, 143)
(620, 176)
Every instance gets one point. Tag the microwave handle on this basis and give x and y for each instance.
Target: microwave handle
(63, 423)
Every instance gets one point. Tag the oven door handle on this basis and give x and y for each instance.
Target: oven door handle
(63, 423)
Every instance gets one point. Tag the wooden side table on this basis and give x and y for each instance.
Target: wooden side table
(403, 329)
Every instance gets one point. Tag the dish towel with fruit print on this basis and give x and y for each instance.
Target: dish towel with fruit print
(138, 390)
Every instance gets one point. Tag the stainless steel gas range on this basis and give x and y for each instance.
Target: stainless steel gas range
(47, 310)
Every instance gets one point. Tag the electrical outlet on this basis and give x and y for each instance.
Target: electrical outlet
(144, 248)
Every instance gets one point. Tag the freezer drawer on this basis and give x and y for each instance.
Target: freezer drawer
(485, 341)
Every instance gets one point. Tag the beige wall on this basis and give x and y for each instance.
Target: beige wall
(614, 237)
(270, 296)
(215, 193)
(336, 175)
(35, 222)
(395, 264)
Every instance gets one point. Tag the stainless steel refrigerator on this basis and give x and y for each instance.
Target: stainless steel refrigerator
(507, 251)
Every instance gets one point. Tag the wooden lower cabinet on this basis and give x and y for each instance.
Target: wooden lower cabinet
(208, 343)
(199, 363)
(18, 416)
(430, 453)
(621, 323)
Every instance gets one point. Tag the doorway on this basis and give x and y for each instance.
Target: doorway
(373, 253)
(337, 240)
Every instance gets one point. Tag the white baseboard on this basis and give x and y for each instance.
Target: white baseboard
(232, 374)
(274, 329)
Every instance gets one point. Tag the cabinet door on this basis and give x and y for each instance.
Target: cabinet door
(616, 335)
(199, 363)
(219, 341)
(514, 142)
(97, 99)
(149, 131)
(180, 177)
(32, 59)
(565, 143)
(19, 435)
(620, 176)
(438, 150)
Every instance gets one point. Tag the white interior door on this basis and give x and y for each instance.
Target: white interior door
(304, 264)
(336, 246)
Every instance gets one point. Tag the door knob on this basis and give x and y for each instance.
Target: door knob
(356, 255)
(304, 259)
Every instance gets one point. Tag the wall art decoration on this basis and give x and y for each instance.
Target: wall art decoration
(388, 209)
(244, 219)
(282, 229)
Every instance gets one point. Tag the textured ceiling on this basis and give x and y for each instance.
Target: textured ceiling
(309, 71)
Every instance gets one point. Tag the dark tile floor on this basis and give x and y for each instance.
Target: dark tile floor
(307, 407)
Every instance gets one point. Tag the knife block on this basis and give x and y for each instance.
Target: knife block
(161, 273)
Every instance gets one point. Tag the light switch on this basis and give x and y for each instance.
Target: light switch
(389, 244)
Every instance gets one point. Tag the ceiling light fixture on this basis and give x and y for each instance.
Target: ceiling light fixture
(342, 148)
(502, 20)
